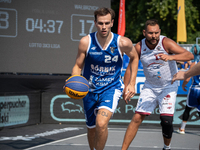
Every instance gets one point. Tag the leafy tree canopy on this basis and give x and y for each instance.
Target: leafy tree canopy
(165, 11)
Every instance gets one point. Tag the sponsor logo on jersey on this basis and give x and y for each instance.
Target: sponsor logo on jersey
(107, 101)
(158, 75)
(93, 48)
(158, 48)
(112, 49)
(95, 53)
(155, 65)
(100, 70)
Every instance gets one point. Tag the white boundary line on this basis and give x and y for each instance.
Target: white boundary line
(124, 129)
(109, 145)
(85, 134)
(56, 141)
(146, 129)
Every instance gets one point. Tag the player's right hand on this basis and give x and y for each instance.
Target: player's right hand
(178, 76)
(129, 93)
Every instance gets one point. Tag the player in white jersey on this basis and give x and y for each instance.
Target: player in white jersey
(99, 58)
(158, 55)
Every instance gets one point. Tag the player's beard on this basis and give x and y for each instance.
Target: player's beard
(149, 41)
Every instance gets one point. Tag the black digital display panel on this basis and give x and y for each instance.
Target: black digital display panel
(42, 36)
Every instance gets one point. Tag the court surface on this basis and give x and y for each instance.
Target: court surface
(74, 137)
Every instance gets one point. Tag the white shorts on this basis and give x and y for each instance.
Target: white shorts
(150, 97)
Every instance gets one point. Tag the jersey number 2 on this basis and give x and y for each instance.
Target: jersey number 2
(109, 59)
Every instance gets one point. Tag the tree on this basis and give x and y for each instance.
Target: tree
(165, 11)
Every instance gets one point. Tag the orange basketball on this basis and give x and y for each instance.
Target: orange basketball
(76, 87)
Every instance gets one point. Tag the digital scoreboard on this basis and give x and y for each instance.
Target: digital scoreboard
(42, 36)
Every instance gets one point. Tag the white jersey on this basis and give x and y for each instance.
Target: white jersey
(158, 73)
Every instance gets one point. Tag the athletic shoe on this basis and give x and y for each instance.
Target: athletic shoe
(181, 131)
(166, 149)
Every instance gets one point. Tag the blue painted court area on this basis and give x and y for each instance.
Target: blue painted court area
(74, 137)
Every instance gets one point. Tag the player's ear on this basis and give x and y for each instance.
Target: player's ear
(144, 32)
(95, 22)
(112, 22)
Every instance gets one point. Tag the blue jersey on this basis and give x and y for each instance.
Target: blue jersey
(103, 68)
(193, 98)
(196, 79)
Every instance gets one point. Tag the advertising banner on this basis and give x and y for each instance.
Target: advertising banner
(19, 109)
(59, 108)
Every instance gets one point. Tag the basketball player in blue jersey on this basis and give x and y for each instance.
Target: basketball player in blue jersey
(158, 55)
(99, 60)
(193, 98)
(183, 75)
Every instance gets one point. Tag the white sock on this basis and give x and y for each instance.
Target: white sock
(183, 124)
(167, 147)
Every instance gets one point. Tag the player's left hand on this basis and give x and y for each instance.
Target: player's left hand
(129, 93)
(184, 87)
(164, 57)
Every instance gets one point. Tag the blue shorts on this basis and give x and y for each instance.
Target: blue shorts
(92, 102)
(193, 98)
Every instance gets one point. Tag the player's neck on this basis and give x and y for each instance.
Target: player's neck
(150, 46)
(104, 41)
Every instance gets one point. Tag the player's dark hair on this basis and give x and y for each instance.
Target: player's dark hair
(104, 11)
(151, 22)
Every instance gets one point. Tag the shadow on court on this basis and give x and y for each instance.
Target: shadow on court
(74, 137)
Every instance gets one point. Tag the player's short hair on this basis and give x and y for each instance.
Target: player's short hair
(104, 11)
(151, 22)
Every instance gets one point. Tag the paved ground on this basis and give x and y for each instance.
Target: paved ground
(74, 137)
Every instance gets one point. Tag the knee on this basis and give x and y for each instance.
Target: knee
(167, 126)
(101, 125)
(137, 118)
(166, 120)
